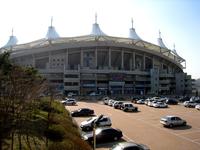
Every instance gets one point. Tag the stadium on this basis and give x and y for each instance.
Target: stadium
(102, 64)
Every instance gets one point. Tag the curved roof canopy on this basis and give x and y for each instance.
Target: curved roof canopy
(133, 34)
(96, 31)
(12, 41)
(160, 41)
(97, 35)
(51, 33)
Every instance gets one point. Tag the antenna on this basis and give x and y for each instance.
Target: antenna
(51, 21)
(12, 32)
(95, 17)
(132, 22)
(159, 34)
(174, 46)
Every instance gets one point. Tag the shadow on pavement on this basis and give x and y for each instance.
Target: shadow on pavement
(182, 127)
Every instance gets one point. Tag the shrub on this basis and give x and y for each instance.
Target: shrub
(55, 133)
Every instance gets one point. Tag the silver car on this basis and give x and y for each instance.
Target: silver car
(129, 146)
(102, 122)
(170, 121)
(197, 107)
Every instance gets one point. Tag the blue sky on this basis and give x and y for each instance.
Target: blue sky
(178, 21)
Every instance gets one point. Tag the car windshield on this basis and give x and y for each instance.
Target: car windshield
(91, 118)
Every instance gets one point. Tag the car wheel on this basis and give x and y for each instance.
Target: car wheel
(170, 125)
(116, 138)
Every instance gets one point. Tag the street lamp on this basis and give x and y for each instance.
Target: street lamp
(94, 125)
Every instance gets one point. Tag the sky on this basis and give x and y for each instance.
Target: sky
(178, 21)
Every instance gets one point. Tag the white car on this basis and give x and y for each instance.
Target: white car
(141, 101)
(100, 121)
(159, 104)
(128, 107)
(117, 104)
(110, 102)
(197, 107)
(189, 104)
(69, 101)
(170, 121)
(150, 102)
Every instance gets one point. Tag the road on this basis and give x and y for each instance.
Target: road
(144, 126)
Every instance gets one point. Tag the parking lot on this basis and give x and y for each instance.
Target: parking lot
(144, 126)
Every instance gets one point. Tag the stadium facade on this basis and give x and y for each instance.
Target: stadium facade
(104, 64)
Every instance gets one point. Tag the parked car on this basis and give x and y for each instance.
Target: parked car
(170, 121)
(190, 104)
(195, 99)
(150, 102)
(110, 102)
(141, 101)
(105, 134)
(171, 101)
(106, 100)
(197, 107)
(129, 146)
(101, 121)
(159, 104)
(128, 107)
(69, 101)
(94, 94)
(82, 112)
(184, 98)
(117, 104)
(134, 99)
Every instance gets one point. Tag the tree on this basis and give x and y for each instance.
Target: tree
(19, 89)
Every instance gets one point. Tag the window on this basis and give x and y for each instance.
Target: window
(132, 148)
(71, 76)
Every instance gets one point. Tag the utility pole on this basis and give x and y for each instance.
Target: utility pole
(95, 123)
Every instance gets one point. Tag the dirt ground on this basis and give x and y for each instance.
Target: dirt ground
(144, 126)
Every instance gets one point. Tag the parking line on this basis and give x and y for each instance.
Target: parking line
(198, 139)
(187, 139)
(188, 132)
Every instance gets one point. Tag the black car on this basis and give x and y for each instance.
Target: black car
(183, 99)
(171, 101)
(82, 112)
(105, 134)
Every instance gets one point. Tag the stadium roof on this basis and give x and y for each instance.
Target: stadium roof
(52, 37)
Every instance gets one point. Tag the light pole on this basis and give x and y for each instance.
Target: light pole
(94, 136)
(95, 123)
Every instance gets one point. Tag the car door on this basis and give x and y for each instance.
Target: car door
(179, 121)
(173, 121)
(102, 136)
(103, 121)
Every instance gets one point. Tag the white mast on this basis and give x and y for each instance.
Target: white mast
(96, 31)
(12, 41)
(132, 33)
(51, 33)
(160, 41)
